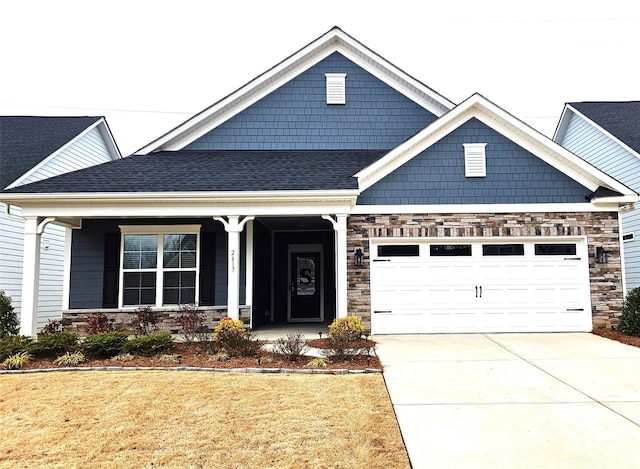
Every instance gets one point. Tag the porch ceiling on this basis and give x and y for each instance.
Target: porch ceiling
(295, 223)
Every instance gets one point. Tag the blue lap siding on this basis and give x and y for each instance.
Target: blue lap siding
(296, 115)
(437, 175)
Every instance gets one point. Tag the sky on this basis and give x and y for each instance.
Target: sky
(150, 65)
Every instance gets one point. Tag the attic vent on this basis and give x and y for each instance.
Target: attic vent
(474, 160)
(336, 93)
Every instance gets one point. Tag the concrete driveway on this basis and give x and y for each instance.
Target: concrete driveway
(515, 400)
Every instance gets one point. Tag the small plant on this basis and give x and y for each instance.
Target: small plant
(191, 324)
(97, 323)
(219, 357)
(70, 359)
(235, 339)
(53, 326)
(171, 358)
(316, 363)
(347, 329)
(630, 319)
(104, 344)
(123, 357)
(54, 345)
(293, 346)
(12, 345)
(145, 321)
(9, 323)
(150, 344)
(16, 361)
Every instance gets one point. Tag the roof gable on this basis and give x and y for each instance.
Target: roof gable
(504, 123)
(27, 142)
(619, 121)
(333, 41)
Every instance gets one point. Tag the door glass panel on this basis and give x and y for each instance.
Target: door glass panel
(450, 250)
(305, 276)
(555, 249)
(398, 250)
(503, 249)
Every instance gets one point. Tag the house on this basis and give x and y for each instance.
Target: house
(334, 184)
(32, 149)
(607, 135)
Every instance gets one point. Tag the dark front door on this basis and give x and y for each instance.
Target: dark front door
(305, 285)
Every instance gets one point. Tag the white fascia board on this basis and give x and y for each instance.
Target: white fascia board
(606, 206)
(109, 140)
(520, 133)
(604, 131)
(563, 123)
(333, 41)
(53, 155)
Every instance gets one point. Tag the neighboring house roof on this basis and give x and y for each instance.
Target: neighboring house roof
(215, 171)
(497, 118)
(335, 40)
(27, 141)
(621, 120)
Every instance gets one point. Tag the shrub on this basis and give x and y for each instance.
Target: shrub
(293, 346)
(171, 358)
(346, 329)
(54, 326)
(70, 359)
(235, 339)
(9, 323)
(54, 345)
(123, 357)
(150, 344)
(105, 344)
(145, 321)
(16, 361)
(97, 323)
(630, 319)
(316, 363)
(12, 345)
(191, 324)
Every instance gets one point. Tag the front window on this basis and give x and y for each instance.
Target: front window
(159, 265)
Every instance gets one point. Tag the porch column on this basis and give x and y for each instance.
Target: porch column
(233, 226)
(33, 228)
(340, 228)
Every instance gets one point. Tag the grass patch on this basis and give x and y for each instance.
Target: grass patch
(192, 419)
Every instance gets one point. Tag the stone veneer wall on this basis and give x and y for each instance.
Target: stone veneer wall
(600, 228)
(76, 320)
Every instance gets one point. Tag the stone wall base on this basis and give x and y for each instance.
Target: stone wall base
(76, 320)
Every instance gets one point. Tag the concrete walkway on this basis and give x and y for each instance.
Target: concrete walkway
(515, 400)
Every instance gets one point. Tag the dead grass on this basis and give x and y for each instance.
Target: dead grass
(193, 419)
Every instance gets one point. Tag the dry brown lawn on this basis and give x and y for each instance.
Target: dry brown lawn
(197, 419)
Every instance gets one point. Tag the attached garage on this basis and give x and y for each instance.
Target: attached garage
(480, 285)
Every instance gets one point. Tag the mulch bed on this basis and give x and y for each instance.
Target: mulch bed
(618, 336)
(192, 355)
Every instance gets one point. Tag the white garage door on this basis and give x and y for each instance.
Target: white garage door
(480, 286)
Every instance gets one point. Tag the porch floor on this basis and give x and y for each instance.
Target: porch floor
(274, 331)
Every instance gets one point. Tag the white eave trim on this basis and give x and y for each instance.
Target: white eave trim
(333, 41)
(520, 133)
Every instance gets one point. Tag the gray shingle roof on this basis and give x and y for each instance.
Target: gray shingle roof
(25, 141)
(621, 119)
(215, 170)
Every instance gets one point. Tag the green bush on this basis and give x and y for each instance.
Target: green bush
(54, 345)
(12, 345)
(149, 345)
(9, 324)
(630, 319)
(104, 344)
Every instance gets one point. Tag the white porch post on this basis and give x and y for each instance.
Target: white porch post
(233, 226)
(340, 228)
(33, 228)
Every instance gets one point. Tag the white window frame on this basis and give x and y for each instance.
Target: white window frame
(475, 161)
(160, 231)
(336, 88)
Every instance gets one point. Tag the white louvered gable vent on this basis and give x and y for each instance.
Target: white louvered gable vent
(475, 165)
(336, 89)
